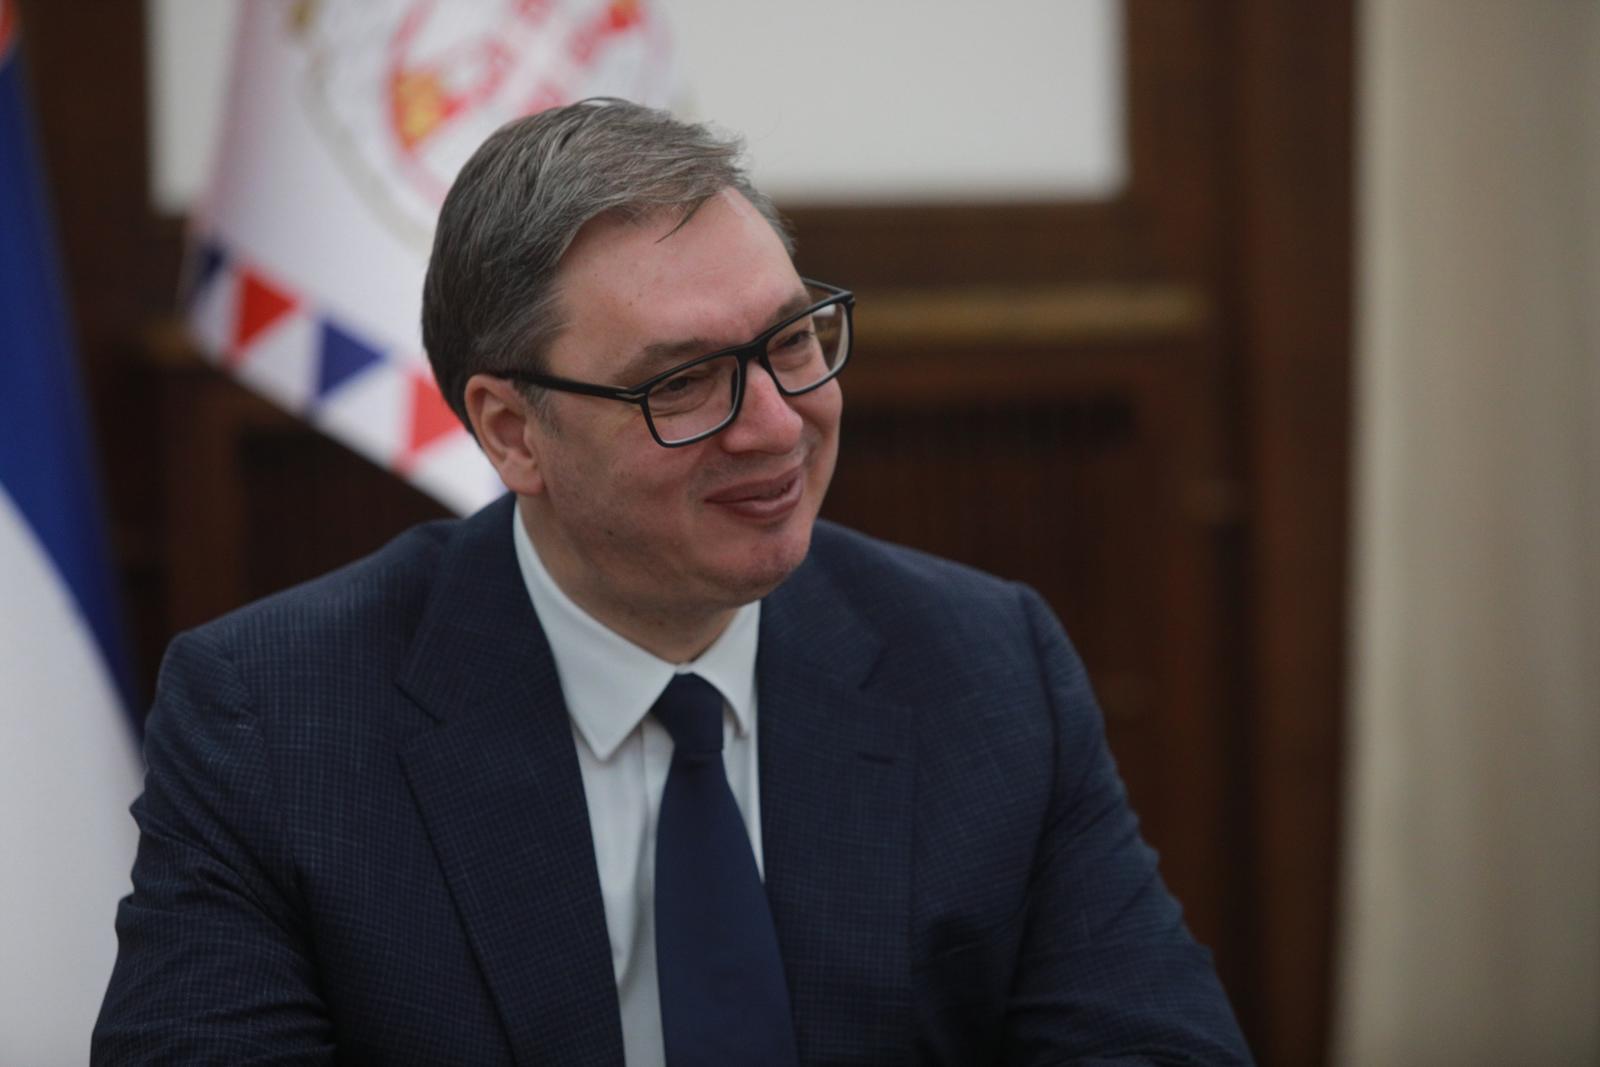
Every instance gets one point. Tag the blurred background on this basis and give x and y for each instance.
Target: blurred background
(1261, 336)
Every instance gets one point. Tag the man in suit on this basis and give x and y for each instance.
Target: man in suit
(642, 764)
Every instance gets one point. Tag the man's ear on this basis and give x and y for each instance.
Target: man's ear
(507, 430)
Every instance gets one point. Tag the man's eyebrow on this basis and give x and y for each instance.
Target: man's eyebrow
(664, 355)
(652, 359)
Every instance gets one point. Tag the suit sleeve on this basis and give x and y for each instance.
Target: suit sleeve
(1108, 974)
(214, 962)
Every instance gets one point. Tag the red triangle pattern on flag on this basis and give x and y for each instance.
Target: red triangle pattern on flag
(260, 305)
(431, 419)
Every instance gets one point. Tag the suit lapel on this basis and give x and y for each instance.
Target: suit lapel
(498, 786)
(836, 792)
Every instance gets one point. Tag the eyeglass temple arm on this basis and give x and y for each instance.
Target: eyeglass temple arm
(567, 385)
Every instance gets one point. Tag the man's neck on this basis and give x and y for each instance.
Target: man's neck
(677, 637)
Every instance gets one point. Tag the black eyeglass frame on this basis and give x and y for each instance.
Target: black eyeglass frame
(755, 349)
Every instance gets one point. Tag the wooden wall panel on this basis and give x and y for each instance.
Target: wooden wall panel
(255, 502)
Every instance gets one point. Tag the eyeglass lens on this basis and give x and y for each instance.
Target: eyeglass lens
(802, 355)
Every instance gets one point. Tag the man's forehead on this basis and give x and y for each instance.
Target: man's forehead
(640, 294)
(663, 354)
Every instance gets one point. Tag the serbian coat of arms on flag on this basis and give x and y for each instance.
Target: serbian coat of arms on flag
(345, 125)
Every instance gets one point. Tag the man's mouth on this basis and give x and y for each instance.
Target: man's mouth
(763, 499)
(776, 491)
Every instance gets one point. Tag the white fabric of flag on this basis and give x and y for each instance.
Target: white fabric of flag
(69, 768)
(346, 123)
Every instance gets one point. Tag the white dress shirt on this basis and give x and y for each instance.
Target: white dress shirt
(610, 684)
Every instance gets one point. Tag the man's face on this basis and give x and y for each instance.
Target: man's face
(656, 533)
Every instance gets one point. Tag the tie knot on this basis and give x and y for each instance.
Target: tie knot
(691, 710)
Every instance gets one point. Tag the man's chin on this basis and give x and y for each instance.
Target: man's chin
(769, 566)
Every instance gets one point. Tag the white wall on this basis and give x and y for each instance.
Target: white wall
(1472, 916)
(839, 99)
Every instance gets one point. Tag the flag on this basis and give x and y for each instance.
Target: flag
(346, 123)
(69, 764)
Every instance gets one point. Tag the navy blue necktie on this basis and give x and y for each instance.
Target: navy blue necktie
(724, 1000)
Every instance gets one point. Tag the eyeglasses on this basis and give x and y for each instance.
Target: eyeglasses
(696, 399)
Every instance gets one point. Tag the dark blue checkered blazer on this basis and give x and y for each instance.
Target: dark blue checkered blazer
(365, 837)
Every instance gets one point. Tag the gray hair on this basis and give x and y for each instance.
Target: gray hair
(490, 301)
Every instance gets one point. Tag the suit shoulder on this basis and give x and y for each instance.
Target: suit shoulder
(377, 596)
(908, 576)
(921, 603)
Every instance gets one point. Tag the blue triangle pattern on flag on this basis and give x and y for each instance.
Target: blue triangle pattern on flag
(208, 262)
(342, 356)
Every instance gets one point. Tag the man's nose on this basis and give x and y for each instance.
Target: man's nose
(767, 422)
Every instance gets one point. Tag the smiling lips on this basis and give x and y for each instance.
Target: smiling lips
(764, 500)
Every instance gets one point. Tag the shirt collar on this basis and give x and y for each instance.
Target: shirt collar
(609, 682)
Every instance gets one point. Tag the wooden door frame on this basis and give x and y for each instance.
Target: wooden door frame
(1290, 292)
